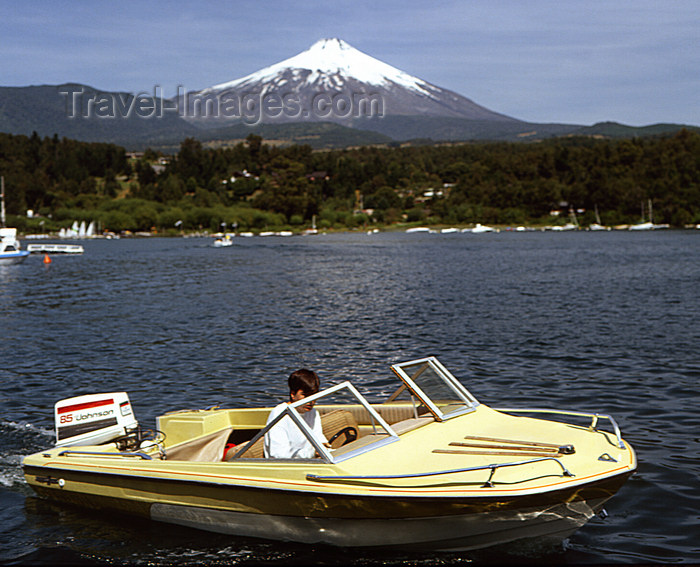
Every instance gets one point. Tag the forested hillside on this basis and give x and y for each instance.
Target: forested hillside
(259, 186)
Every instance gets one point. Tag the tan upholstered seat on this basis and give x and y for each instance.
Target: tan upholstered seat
(256, 451)
(342, 423)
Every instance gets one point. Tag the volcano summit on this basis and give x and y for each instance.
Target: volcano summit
(332, 82)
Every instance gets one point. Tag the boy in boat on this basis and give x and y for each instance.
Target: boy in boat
(285, 440)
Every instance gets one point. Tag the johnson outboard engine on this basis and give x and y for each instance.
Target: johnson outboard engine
(94, 419)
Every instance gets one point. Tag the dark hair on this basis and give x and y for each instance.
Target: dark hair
(305, 380)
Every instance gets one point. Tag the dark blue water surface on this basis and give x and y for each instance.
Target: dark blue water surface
(606, 322)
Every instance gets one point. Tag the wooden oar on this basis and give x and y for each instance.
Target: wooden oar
(507, 447)
(508, 453)
(497, 440)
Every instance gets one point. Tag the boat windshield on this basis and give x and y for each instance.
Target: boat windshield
(434, 389)
(381, 432)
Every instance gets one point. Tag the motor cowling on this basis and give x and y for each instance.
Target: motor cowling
(93, 419)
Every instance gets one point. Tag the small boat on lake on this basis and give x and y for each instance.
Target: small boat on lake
(479, 229)
(10, 251)
(426, 467)
(223, 241)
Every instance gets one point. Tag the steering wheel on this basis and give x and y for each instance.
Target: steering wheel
(349, 432)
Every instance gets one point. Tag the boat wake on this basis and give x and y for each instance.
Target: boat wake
(18, 440)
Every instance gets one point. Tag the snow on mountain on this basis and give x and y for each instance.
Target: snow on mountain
(329, 58)
(330, 81)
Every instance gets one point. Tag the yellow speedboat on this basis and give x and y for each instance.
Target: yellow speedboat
(430, 467)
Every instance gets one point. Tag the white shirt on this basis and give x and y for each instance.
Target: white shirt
(286, 441)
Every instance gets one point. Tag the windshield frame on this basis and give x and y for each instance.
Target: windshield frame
(324, 453)
(408, 381)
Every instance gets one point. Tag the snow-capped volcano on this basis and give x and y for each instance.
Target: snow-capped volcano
(325, 62)
(330, 81)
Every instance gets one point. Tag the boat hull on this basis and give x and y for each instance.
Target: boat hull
(13, 257)
(425, 523)
(441, 533)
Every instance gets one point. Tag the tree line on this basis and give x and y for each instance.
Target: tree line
(255, 185)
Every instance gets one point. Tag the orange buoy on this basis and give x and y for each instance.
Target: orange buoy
(47, 259)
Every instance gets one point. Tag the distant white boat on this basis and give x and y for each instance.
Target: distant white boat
(648, 225)
(479, 228)
(448, 230)
(10, 252)
(597, 225)
(79, 230)
(313, 229)
(642, 226)
(72, 232)
(418, 229)
(223, 241)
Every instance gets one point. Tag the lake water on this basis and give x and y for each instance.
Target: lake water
(606, 322)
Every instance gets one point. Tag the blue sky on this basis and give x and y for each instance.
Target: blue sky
(581, 62)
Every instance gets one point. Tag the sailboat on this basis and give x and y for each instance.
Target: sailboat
(597, 225)
(10, 252)
(648, 225)
(573, 225)
(71, 232)
(313, 229)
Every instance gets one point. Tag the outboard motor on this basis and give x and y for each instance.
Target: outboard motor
(94, 419)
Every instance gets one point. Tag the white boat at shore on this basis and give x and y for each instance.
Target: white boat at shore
(479, 229)
(648, 225)
(642, 226)
(597, 226)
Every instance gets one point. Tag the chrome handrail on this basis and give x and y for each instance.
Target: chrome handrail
(491, 467)
(99, 454)
(594, 418)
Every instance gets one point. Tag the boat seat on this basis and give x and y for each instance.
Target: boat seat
(391, 413)
(256, 451)
(339, 427)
